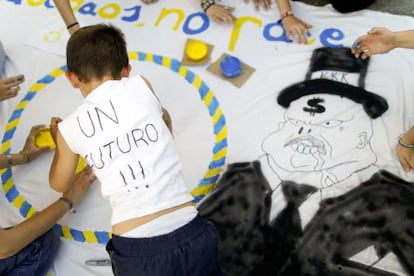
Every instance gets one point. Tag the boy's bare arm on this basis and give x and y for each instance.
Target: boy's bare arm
(62, 170)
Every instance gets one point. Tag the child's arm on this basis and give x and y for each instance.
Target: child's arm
(62, 170)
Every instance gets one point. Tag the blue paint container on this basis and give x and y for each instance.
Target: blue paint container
(230, 66)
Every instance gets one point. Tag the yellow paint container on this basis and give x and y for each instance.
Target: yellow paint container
(196, 50)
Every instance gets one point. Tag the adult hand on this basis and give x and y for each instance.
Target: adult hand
(30, 147)
(296, 29)
(265, 4)
(220, 13)
(376, 41)
(80, 185)
(10, 87)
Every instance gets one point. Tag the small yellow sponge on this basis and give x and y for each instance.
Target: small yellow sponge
(44, 139)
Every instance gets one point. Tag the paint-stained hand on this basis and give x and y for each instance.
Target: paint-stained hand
(296, 29)
(149, 1)
(220, 13)
(10, 87)
(376, 41)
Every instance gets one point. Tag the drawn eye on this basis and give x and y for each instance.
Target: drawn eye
(330, 123)
(296, 122)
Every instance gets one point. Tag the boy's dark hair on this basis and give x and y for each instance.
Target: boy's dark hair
(95, 51)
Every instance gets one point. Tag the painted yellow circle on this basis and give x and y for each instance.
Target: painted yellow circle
(196, 50)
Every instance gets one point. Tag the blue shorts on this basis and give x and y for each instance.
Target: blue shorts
(35, 259)
(188, 251)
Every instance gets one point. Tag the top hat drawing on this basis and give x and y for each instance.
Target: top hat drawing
(336, 71)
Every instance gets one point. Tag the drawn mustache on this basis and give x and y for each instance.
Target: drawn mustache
(307, 144)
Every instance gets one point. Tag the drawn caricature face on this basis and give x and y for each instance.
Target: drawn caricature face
(320, 133)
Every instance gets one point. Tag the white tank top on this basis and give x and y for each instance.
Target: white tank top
(120, 132)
